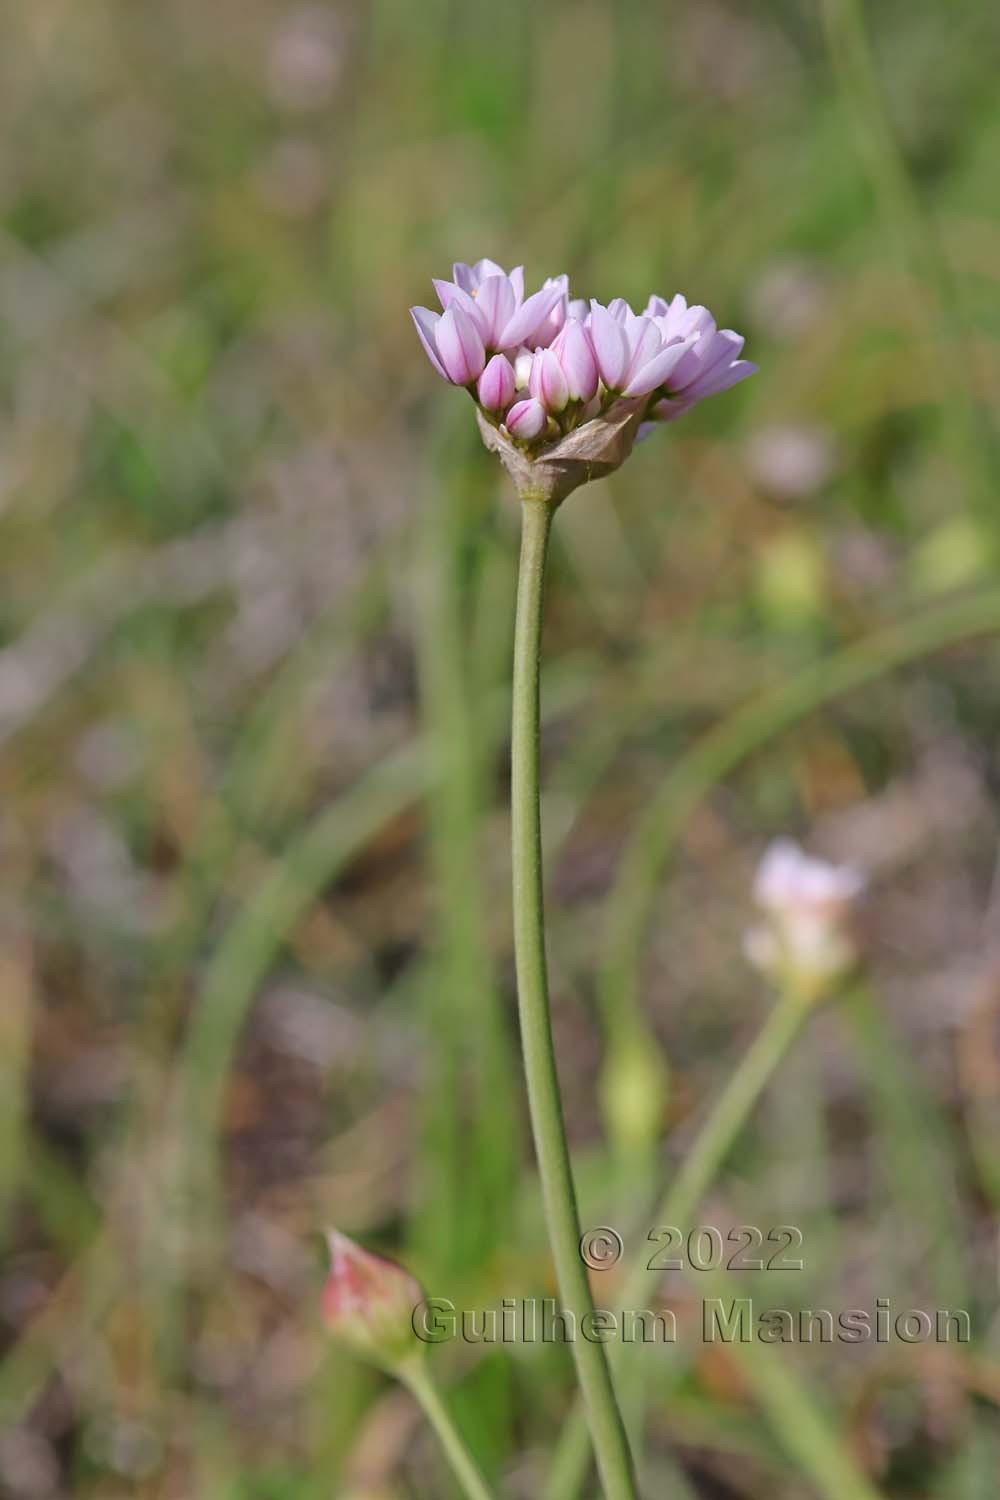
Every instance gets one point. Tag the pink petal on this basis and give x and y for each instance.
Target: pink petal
(526, 322)
(719, 379)
(607, 337)
(526, 420)
(656, 371)
(496, 384)
(447, 290)
(698, 320)
(551, 326)
(674, 320)
(644, 340)
(496, 306)
(577, 359)
(460, 346)
(548, 382)
(723, 348)
(454, 296)
(707, 351)
(486, 267)
(426, 324)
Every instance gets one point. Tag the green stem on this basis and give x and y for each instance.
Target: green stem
(728, 1117)
(463, 1465)
(593, 1373)
(714, 1142)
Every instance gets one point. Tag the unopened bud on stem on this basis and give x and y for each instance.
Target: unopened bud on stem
(368, 1304)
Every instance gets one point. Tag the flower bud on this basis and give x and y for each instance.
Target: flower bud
(577, 359)
(610, 346)
(634, 1089)
(522, 369)
(496, 384)
(459, 346)
(368, 1304)
(547, 382)
(551, 326)
(526, 420)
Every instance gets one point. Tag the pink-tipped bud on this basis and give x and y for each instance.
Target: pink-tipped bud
(459, 346)
(577, 359)
(548, 382)
(368, 1304)
(496, 384)
(526, 420)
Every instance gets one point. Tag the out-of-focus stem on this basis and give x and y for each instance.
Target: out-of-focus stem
(463, 1465)
(697, 1172)
(607, 1430)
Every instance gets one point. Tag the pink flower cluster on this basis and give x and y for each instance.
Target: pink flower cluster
(541, 365)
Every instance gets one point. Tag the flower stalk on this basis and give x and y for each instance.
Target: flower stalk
(604, 1418)
(418, 1381)
(367, 1308)
(807, 903)
(563, 391)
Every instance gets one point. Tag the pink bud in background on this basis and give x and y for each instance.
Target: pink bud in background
(496, 384)
(805, 941)
(547, 382)
(577, 359)
(526, 420)
(368, 1304)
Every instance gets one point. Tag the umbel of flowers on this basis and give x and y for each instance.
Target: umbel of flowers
(564, 387)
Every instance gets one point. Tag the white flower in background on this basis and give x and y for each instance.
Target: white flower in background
(805, 940)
